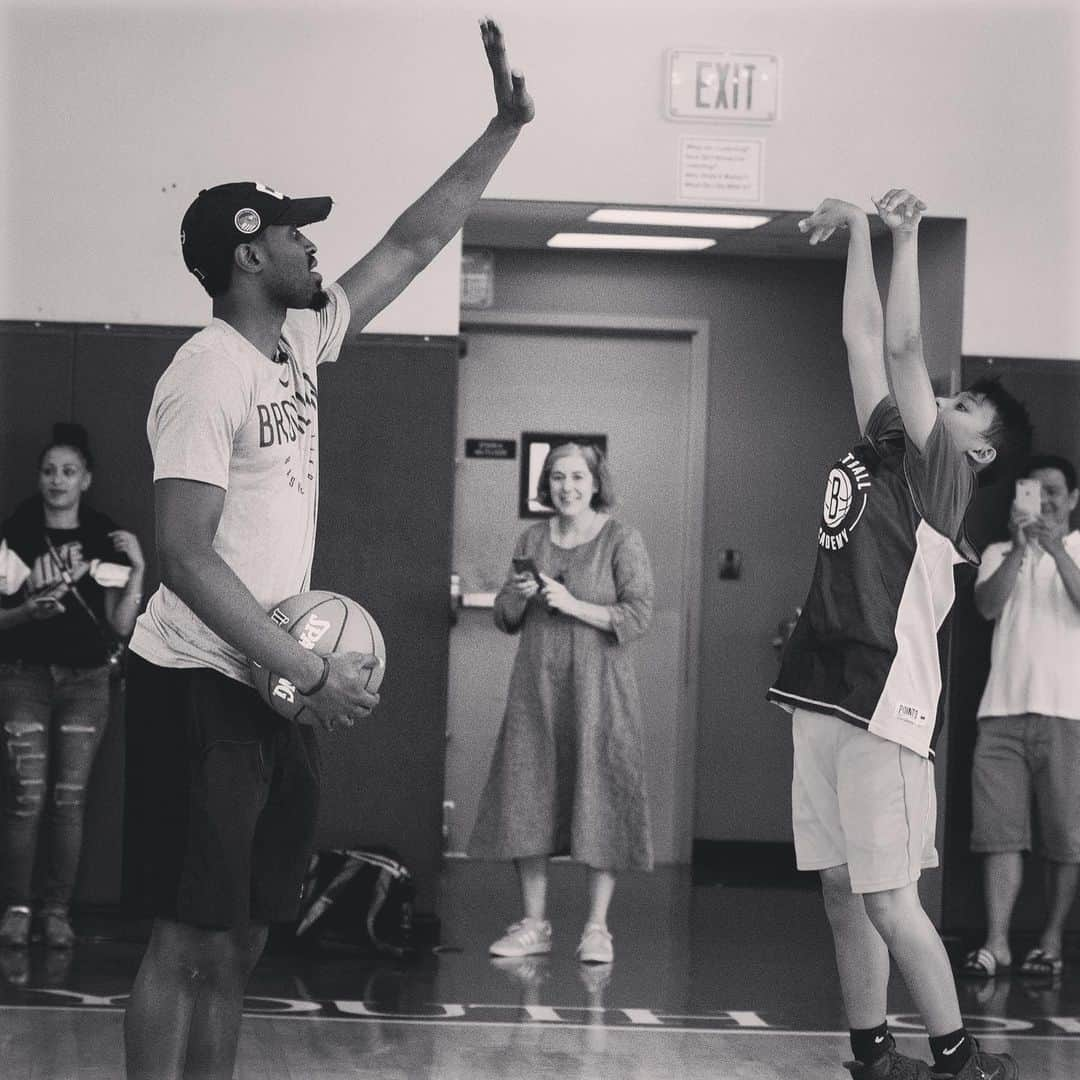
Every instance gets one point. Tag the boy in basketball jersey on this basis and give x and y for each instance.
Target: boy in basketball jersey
(222, 793)
(861, 673)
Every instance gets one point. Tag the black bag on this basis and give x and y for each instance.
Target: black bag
(364, 898)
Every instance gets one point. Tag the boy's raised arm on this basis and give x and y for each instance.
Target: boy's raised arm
(901, 211)
(862, 320)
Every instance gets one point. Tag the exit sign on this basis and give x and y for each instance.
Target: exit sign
(723, 86)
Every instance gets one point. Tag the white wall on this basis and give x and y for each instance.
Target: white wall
(106, 108)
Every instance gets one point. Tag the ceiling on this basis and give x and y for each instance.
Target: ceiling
(524, 223)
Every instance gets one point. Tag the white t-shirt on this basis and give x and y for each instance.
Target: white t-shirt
(225, 414)
(1035, 658)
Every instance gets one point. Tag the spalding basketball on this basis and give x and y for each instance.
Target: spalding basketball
(325, 622)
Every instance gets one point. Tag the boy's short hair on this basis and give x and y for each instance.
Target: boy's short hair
(1053, 461)
(1009, 433)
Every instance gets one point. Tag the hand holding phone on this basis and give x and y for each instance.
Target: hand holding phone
(524, 565)
(1029, 497)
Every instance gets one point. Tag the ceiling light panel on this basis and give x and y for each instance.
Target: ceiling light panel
(626, 242)
(678, 219)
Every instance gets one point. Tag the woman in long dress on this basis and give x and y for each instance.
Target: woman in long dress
(567, 775)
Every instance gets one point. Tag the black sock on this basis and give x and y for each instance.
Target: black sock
(868, 1044)
(951, 1052)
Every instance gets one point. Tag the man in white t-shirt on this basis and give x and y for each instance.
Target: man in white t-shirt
(1029, 719)
(222, 793)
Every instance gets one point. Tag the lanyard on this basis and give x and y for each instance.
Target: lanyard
(69, 581)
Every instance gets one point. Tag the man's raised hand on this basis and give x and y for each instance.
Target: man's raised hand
(900, 210)
(832, 214)
(515, 105)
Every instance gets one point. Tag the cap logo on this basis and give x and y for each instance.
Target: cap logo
(247, 221)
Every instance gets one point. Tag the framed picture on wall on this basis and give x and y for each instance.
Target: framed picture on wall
(535, 446)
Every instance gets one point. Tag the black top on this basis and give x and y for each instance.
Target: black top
(27, 567)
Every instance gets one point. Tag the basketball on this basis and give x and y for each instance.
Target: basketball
(325, 622)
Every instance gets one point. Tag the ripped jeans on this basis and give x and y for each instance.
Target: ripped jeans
(51, 722)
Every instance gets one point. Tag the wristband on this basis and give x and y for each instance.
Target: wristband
(322, 678)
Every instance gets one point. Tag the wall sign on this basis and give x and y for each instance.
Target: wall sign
(726, 86)
(494, 449)
(477, 279)
(721, 170)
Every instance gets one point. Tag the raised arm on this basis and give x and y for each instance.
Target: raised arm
(425, 228)
(906, 367)
(862, 320)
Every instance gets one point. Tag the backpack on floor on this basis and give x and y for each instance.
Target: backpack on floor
(363, 898)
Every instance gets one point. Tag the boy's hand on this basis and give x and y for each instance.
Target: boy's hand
(830, 215)
(900, 210)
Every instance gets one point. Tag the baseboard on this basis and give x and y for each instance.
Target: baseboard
(748, 862)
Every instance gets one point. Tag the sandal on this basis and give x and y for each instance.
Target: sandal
(1041, 964)
(982, 964)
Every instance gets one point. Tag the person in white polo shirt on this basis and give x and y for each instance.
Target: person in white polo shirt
(1028, 744)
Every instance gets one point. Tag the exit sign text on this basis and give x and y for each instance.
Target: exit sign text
(724, 86)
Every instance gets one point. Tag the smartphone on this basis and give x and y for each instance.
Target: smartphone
(524, 565)
(1029, 496)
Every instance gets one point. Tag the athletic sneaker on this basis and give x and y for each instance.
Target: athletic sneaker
(526, 938)
(984, 1066)
(595, 946)
(892, 1065)
(56, 928)
(15, 928)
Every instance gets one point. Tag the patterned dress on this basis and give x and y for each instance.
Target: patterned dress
(568, 772)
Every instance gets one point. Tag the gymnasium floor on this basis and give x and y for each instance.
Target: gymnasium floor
(708, 982)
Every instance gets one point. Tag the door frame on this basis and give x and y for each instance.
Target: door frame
(696, 331)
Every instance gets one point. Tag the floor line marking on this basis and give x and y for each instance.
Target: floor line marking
(652, 1029)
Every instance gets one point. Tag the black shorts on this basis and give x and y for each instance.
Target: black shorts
(222, 796)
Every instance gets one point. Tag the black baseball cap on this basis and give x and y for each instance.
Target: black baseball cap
(222, 217)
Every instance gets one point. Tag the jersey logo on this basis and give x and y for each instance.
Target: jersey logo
(912, 714)
(845, 501)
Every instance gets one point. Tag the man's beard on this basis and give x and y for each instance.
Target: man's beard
(319, 299)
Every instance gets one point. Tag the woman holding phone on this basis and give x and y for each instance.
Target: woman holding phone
(70, 585)
(567, 776)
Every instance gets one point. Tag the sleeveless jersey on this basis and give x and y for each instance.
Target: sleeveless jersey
(865, 648)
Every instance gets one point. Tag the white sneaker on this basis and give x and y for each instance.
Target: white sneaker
(526, 938)
(595, 946)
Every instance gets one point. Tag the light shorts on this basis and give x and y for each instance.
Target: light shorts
(863, 801)
(1017, 757)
